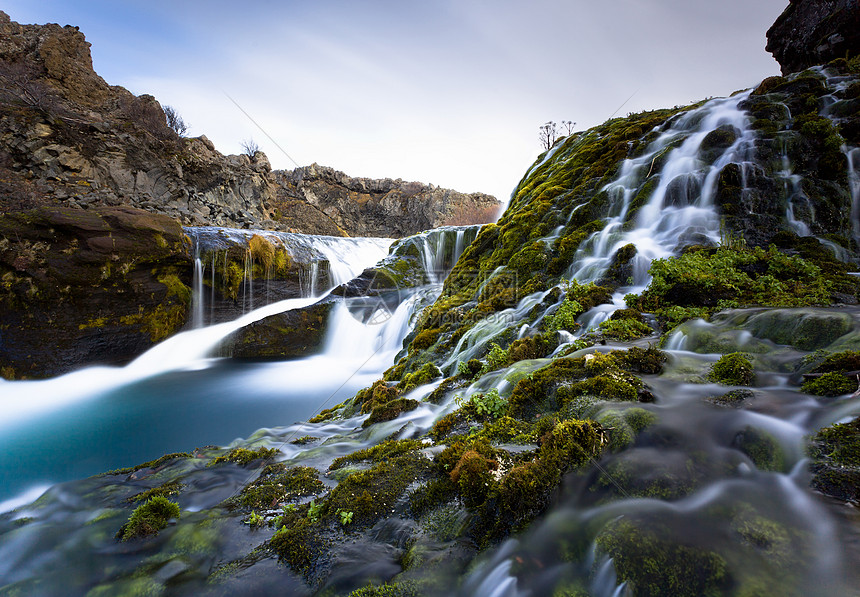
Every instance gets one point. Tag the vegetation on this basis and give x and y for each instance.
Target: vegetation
(149, 518)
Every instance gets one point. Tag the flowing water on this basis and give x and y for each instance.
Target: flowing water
(729, 482)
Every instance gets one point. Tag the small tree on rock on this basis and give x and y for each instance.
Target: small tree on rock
(548, 134)
(175, 121)
(250, 148)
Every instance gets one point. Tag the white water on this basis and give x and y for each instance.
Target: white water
(680, 208)
(344, 259)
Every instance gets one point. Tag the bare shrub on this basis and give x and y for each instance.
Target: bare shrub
(548, 134)
(20, 85)
(145, 112)
(250, 147)
(175, 121)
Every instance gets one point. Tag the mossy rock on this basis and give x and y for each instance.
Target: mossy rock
(88, 286)
(656, 564)
(734, 369)
(292, 334)
(149, 518)
(830, 384)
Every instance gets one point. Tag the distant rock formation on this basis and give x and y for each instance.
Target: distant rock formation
(812, 32)
(69, 138)
(383, 207)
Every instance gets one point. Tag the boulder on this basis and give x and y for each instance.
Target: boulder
(292, 334)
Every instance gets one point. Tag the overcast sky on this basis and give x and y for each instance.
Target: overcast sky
(449, 92)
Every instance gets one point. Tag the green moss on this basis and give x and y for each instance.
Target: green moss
(700, 282)
(376, 395)
(508, 429)
(830, 384)
(531, 347)
(839, 443)
(425, 339)
(474, 478)
(734, 369)
(609, 387)
(443, 427)
(427, 373)
(434, 494)
(406, 588)
(327, 414)
(371, 494)
(378, 453)
(300, 545)
(277, 484)
(643, 360)
(390, 410)
(244, 456)
(176, 289)
(149, 518)
(655, 564)
(164, 490)
(624, 329)
(537, 392)
(149, 464)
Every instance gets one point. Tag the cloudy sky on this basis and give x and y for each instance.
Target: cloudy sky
(450, 92)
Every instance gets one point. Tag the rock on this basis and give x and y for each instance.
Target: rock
(381, 207)
(88, 286)
(65, 127)
(288, 335)
(812, 32)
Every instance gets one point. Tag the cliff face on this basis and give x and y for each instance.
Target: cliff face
(383, 207)
(70, 138)
(88, 286)
(811, 32)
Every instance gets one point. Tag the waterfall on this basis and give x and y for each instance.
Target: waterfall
(440, 248)
(317, 264)
(680, 210)
(853, 155)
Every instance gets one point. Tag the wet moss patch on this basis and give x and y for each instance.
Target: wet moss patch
(149, 518)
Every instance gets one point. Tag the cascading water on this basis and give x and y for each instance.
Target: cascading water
(680, 210)
(701, 488)
(317, 264)
(131, 397)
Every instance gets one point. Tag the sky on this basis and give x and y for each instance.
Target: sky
(449, 92)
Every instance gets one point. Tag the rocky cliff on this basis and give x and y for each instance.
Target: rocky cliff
(69, 138)
(383, 207)
(812, 32)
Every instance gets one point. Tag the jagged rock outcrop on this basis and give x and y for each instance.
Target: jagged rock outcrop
(812, 32)
(70, 138)
(88, 286)
(383, 207)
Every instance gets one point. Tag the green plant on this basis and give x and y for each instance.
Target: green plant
(314, 511)
(565, 316)
(345, 517)
(255, 519)
(490, 404)
(463, 369)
